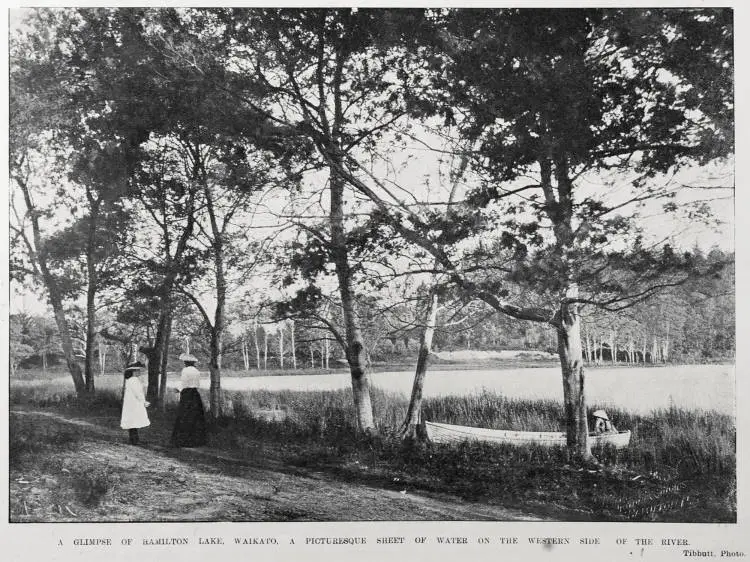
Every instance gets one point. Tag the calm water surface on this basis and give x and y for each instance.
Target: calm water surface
(708, 387)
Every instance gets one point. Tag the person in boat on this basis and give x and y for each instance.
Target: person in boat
(190, 425)
(134, 404)
(602, 423)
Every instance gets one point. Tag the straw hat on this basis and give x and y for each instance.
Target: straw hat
(600, 414)
(188, 358)
(135, 366)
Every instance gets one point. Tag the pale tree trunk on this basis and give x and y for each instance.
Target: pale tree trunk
(612, 349)
(164, 360)
(631, 351)
(560, 212)
(643, 350)
(571, 361)
(588, 347)
(327, 352)
(411, 423)
(39, 257)
(245, 354)
(355, 348)
(312, 357)
(654, 351)
(665, 345)
(294, 349)
(598, 349)
(217, 330)
(66, 341)
(265, 349)
(91, 288)
(257, 345)
(102, 357)
(281, 346)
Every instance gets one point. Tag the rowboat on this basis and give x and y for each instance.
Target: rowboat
(446, 433)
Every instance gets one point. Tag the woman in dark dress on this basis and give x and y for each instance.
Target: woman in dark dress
(190, 426)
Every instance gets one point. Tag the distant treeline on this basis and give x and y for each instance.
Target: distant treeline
(692, 322)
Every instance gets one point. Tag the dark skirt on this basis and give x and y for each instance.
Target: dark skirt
(190, 426)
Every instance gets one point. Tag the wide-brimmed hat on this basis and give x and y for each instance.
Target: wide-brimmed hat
(601, 414)
(134, 366)
(188, 358)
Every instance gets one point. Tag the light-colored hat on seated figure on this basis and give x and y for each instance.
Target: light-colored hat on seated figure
(600, 414)
(188, 357)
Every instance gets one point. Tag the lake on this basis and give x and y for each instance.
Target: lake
(707, 387)
(639, 389)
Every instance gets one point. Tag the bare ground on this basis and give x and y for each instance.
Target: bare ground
(157, 483)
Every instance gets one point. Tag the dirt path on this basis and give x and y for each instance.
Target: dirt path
(155, 483)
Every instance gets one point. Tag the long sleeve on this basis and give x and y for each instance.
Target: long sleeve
(190, 377)
(138, 390)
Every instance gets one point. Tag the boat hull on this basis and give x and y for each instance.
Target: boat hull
(446, 433)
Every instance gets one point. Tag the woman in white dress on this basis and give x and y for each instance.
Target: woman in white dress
(134, 403)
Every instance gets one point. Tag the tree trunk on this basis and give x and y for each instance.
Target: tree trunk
(157, 354)
(257, 345)
(631, 351)
(164, 360)
(294, 350)
(571, 361)
(411, 423)
(102, 357)
(245, 354)
(91, 287)
(280, 332)
(214, 369)
(90, 334)
(152, 369)
(265, 349)
(66, 341)
(217, 332)
(53, 292)
(355, 349)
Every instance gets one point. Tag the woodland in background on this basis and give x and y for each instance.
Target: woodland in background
(694, 323)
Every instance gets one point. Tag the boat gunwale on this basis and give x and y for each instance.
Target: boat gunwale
(507, 435)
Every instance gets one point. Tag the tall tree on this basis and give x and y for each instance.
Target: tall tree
(559, 96)
(322, 71)
(37, 119)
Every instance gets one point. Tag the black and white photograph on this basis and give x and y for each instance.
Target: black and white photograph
(340, 264)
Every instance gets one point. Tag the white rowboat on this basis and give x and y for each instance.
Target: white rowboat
(446, 433)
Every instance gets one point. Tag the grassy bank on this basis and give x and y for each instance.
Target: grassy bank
(680, 465)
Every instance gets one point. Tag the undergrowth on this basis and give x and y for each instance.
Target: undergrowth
(679, 466)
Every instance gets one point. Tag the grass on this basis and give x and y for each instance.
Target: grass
(680, 465)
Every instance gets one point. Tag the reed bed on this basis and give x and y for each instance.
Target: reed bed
(680, 465)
